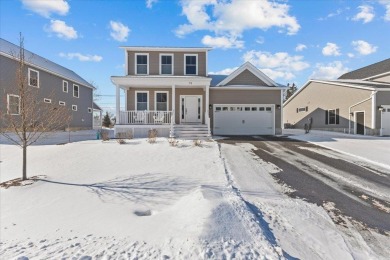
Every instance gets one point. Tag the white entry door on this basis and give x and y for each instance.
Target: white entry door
(386, 121)
(244, 119)
(191, 109)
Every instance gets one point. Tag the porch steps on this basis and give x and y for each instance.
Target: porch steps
(191, 132)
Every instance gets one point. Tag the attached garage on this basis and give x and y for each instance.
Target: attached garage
(244, 119)
(385, 121)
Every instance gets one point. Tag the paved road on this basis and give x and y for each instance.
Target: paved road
(350, 187)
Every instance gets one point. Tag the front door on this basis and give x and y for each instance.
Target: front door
(191, 109)
(360, 123)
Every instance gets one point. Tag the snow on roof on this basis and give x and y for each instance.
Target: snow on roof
(9, 49)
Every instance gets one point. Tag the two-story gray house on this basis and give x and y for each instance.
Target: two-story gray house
(57, 85)
(169, 89)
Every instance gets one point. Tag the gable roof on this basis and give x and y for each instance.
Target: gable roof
(96, 106)
(370, 71)
(8, 49)
(255, 71)
(359, 84)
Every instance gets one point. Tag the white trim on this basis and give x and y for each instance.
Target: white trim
(29, 71)
(173, 65)
(281, 112)
(373, 112)
(74, 107)
(90, 110)
(194, 81)
(378, 76)
(197, 63)
(201, 107)
(47, 100)
(248, 66)
(355, 121)
(335, 119)
(172, 49)
(155, 99)
(135, 99)
(61, 103)
(67, 86)
(48, 71)
(135, 63)
(78, 90)
(12, 95)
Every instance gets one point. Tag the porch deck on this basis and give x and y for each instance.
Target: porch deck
(146, 117)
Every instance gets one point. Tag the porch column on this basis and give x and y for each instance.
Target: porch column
(207, 100)
(174, 104)
(118, 105)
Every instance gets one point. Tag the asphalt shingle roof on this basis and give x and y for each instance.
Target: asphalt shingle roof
(368, 71)
(9, 48)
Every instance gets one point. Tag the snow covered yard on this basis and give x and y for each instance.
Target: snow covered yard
(373, 149)
(138, 200)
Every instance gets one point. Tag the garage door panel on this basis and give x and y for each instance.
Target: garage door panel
(243, 120)
(386, 121)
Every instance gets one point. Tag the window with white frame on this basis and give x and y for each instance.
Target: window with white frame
(13, 104)
(302, 109)
(142, 100)
(166, 64)
(33, 78)
(74, 107)
(191, 64)
(65, 86)
(161, 101)
(141, 64)
(332, 117)
(61, 103)
(47, 100)
(76, 91)
(89, 110)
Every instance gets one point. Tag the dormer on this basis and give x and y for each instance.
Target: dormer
(166, 61)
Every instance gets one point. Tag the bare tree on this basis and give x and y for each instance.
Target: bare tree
(27, 118)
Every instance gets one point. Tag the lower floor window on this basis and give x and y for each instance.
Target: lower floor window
(13, 104)
(74, 107)
(332, 117)
(142, 101)
(161, 101)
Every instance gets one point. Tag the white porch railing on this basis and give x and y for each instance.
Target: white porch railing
(145, 117)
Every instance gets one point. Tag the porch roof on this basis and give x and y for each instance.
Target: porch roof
(160, 81)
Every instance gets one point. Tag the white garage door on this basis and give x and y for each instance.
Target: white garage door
(244, 120)
(386, 121)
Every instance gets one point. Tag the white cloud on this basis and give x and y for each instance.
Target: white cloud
(331, 49)
(277, 65)
(366, 14)
(62, 30)
(46, 7)
(300, 47)
(119, 31)
(363, 47)
(386, 5)
(222, 42)
(226, 71)
(150, 3)
(350, 55)
(331, 70)
(81, 57)
(235, 16)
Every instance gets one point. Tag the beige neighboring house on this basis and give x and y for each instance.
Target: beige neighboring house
(169, 89)
(358, 102)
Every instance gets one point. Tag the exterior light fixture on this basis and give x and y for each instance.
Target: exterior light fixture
(380, 108)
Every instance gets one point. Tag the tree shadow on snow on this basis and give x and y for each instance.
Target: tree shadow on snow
(142, 188)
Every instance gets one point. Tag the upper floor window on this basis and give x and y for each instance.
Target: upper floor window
(191, 64)
(65, 86)
(166, 63)
(141, 64)
(75, 91)
(33, 78)
(13, 104)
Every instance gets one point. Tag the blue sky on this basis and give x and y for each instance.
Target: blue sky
(291, 41)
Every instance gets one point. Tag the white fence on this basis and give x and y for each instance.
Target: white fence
(145, 117)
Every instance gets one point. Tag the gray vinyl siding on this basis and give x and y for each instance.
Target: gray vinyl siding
(248, 97)
(178, 62)
(50, 86)
(320, 97)
(247, 78)
(382, 98)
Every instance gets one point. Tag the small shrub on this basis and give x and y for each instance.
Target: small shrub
(105, 135)
(152, 136)
(173, 142)
(122, 136)
(197, 142)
